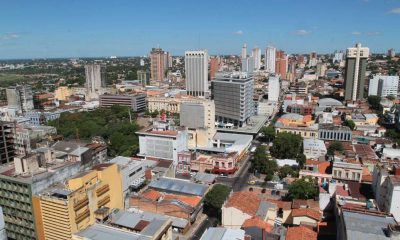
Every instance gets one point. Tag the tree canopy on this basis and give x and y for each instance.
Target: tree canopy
(287, 145)
(215, 198)
(374, 101)
(349, 123)
(113, 124)
(335, 147)
(303, 188)
(269, 133)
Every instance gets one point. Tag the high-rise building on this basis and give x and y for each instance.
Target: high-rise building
(137, 101)
(144, 77)
(158, 64)
(7, 148)
(244, 51)
(20, 98)
(391, 53)
(339, 56)
(3, 234)
(356, 64)
(270, 57)
(273, 88)
(383, 86)
(321, 69)
(256, 54)
(281, 64)
(233, 97)
(95, 80)
(85, 198)
(313, 59)
(196, 68)
(214, 67)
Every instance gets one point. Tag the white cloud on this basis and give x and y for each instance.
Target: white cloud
(238, 32)
(8, 36)
(373, 33)
(394, 11)
(302, 32)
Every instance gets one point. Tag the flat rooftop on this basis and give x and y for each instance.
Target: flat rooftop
(256, 123)
(174, 185)
(103, 232)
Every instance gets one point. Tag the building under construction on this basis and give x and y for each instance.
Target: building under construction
(6, 142)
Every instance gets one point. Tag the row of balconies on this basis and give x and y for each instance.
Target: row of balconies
(17, 213)
(103, 189)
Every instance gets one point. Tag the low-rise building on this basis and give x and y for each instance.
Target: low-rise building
(314, 148)
(321, 170)
(220, 233)
(330, 132)
(347, 171)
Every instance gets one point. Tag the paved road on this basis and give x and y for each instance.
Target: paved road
(239, 180)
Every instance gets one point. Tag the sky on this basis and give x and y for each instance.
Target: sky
(94, 28)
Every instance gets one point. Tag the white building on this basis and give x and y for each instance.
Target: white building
(196, 68)
(95, 80)
(256, 54)
(383, 86)
(270, 58)
(244, 51)
(162, 142)
(314, 148)
(273, 88)
(20, 98)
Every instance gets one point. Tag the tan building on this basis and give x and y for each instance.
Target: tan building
(62, 93)
(158, 64)
(68, 208)
(347, 171)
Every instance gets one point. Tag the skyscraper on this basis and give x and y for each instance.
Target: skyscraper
(233, 97)
(270, 57)
(20, 98)
(244, 51)
(281, 64)
(95, 80)
(273, 88)
(158, 64)
(196, 68)
(356, 64)
(256, 54)
(214, 67)
(391, 53)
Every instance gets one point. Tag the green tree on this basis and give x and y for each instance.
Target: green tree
(349, 123)
(287, 145)
(269, 133)
(214, 200)
(303, 188)
(287, 170)
(375, 102)
(301, 159)
(335, 147)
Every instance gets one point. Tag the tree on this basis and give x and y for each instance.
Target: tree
(214, 200)
(303, 188)
(391, 97)
(287, 170)
(269, 133)
(301, 159)
(335, 147)
(374, 101)
(287, 145)
(349, 123)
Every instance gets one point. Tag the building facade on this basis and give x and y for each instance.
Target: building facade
(383, 86)
(356, 65)
(20, 98)
(196, 68)
(274, 88)
(330, 132)
(158, 64)
(95, 80)
(270, 59)
(233, 97)
(137, 102)
(7, 145)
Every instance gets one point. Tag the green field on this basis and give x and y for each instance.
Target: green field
(8, 79)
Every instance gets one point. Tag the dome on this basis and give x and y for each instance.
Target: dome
(327, 102)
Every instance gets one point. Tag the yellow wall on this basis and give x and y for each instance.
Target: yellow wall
(62, 93)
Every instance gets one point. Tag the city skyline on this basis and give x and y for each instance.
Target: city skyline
(46, 29)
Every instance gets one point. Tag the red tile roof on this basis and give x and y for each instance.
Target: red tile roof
(300, 233)
(247, 202)
(301, 212)
(258, 223)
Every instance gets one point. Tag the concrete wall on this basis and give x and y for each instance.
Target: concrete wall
(233, 218)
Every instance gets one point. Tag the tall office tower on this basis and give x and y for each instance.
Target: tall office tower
(3, 234)
(233, 97)
(391, 53)
(383, 86)
(144, 77)
(274, 88)
(270, 57)
(313, 59)
(256, 54)
(170, 61)
(244, 51)
(214, 67)
(281, 64)
(339, 56)
(7, 146)
(20, 98)
(159, 63)
(321, 69)
(196, 68)
(95, 80)
(356, 64)
(244, 65)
